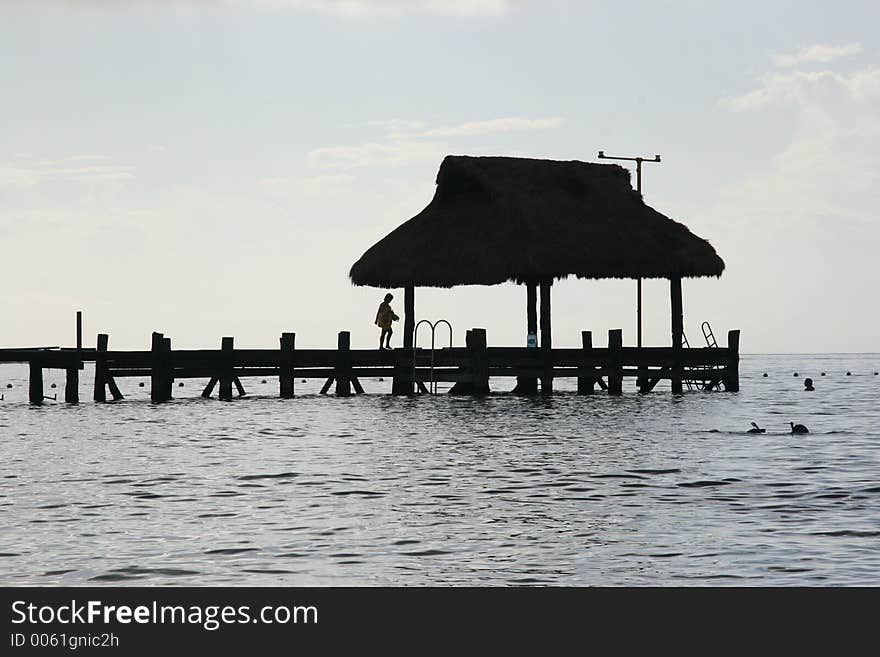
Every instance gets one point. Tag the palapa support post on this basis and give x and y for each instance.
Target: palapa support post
(615, 362)
(403, 383)
(409, 316)
(100, 393)
(546, 339)
(677, 331)
(586, 382)
(286, 376)
(528, 385)
(35, 382)
(226, 368)
(731, 381)
(343, 364)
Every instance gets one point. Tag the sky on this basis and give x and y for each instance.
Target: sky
(215, 168)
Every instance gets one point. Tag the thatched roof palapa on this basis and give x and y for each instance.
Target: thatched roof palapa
(497, 219)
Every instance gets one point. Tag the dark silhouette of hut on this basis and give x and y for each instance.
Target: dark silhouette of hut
(498, 219)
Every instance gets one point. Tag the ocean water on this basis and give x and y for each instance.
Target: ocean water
(375, 490)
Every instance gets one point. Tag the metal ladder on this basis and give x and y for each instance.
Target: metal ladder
(432, 385)
(712, 343)
(690, 383)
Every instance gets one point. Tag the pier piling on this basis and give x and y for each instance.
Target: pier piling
(227, 368)
(615, 362)
(286, 378)
(342, 373)
(586, 381)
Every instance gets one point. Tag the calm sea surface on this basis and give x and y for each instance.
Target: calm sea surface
(376, 490)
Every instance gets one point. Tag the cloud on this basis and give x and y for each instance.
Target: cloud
(830, 169)
(804, 87)
(308, 186)
(67, 169)
(393, 154)
(491, 126)
(333, 7)
(821, 53)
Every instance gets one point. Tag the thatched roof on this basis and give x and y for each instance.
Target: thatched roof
(497, 219)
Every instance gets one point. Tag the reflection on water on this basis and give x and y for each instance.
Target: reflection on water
(449, 490)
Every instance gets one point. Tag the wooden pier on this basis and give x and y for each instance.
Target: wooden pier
(469, 368)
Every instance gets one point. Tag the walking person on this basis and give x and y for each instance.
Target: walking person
(384, 317)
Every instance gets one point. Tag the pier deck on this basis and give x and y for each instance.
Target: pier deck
(470, 367)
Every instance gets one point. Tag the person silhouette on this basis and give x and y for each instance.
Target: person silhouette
(808, 385)
(384, 317)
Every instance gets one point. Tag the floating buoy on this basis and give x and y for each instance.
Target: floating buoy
(180, 385)
(263, 381)
(141, 384)
(823, 373)
(795, 374)
(875, 373)
(849, 373)
(765, 375)
(381, 379)
(53, 386)
(303, 381)
(8, 385)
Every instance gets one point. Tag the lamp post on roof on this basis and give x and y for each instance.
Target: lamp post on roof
(638, 161)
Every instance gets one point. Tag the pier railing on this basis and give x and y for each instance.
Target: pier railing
(470, 367)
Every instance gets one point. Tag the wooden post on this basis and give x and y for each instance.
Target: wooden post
(35, 382)
(286, 376)
(226, 369)
(479, 360)
(677, 331)
(206, 393)
(238, 386)
(343, 364)
(528, 385)
(79, 330)
(586, 382)
(101, 368)
(167, 370)
(409, 316)
(546, 339)
(156, 375)
(731, 381)
(615, 362)
(71, 387)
